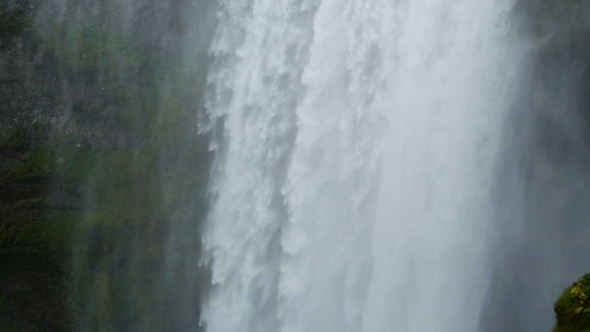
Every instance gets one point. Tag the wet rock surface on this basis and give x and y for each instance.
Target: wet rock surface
(94, 185)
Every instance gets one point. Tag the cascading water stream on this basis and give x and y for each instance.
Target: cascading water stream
(353, 175)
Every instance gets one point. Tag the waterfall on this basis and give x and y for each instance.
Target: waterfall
(356, 148)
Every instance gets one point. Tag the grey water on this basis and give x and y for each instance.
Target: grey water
(395, 165)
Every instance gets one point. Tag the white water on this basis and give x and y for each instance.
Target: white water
(352, 184)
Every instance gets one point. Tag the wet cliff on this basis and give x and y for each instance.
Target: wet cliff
(103, 174)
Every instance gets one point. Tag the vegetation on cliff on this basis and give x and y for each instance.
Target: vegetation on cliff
(572, 309)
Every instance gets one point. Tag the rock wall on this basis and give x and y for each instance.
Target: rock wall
(103, 174)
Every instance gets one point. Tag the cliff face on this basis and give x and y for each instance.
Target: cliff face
(34, 264)
(102, 173)
(38, 87)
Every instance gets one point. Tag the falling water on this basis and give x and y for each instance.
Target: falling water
(355, 161)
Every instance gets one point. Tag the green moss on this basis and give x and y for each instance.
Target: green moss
(14, 138)
(12, 21)
(572, 309)
(72, 167)
(117, 247)
(33, 165)
(7, 321)
(92, 47)
(48, 233)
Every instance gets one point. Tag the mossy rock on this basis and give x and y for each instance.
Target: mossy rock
(13, 20)
(572, 309)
